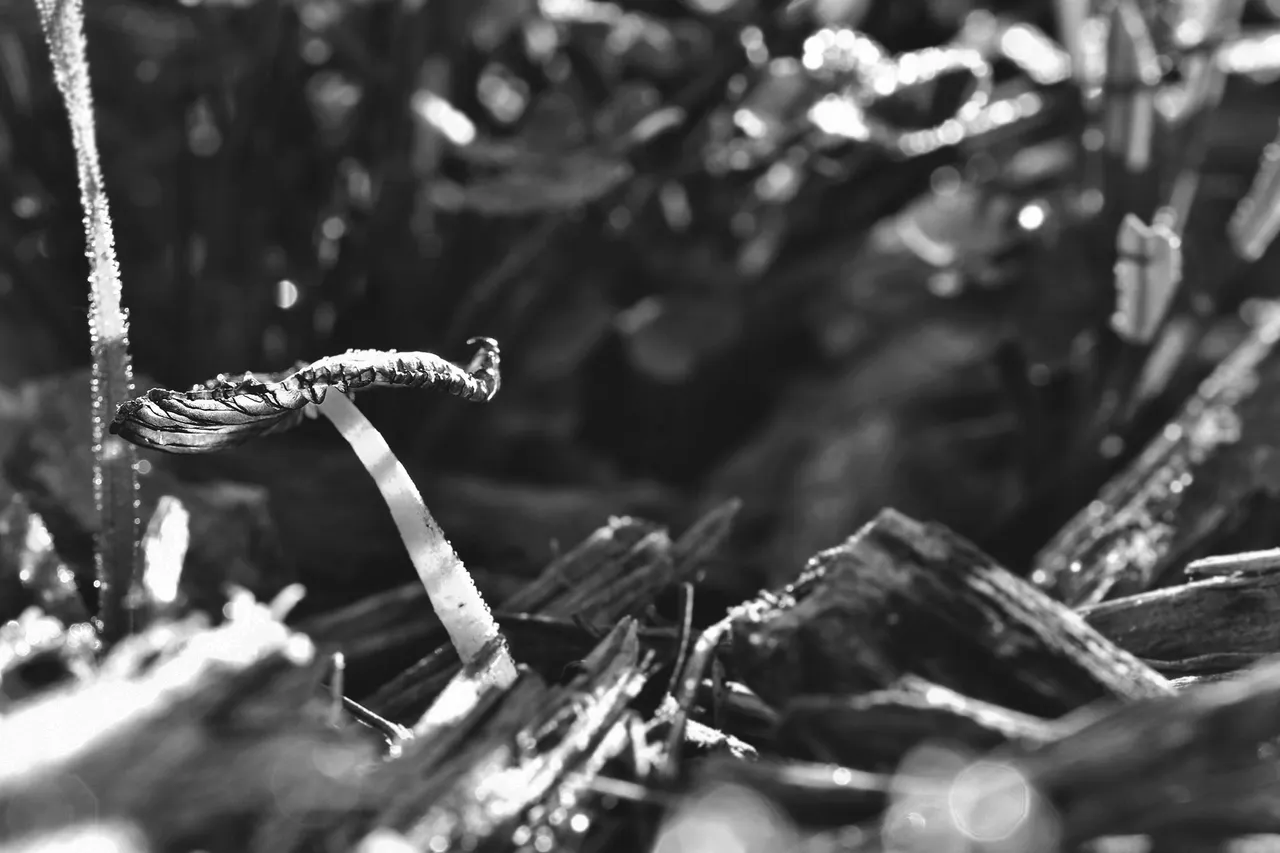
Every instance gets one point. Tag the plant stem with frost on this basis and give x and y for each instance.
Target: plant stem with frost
(115, 480)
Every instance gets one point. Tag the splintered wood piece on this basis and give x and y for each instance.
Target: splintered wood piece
(904, 598)
(874, 731)
(425, 768)
(1221, 449)
(598, 555)
(482, 793)
(468, 690)
(1230, 564)
(603, 598)
(1229, 615)
(192, 733)
(1148, 270)
(1201, 762)
(578, 826)
(565, 640)
(686, 682)
(1257, 218)
(1190, 682)
(702, 542)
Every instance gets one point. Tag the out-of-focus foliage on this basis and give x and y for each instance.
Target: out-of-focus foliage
(729, 246)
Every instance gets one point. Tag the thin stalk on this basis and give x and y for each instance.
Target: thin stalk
(115, 481)
(457, 602)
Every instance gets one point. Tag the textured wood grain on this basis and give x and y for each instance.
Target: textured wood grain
(1185, 490)
(874, 731)
(900, 597)
(1201, 762)
(1236, 614)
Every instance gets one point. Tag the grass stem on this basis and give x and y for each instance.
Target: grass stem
(115, 479)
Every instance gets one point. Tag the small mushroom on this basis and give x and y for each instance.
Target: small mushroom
(223, 413)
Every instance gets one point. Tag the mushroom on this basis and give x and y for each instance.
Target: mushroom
(223, 413)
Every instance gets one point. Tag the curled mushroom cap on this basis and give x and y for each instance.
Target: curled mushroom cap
(224, 413)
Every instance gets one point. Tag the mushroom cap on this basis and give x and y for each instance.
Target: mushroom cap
(224, 413)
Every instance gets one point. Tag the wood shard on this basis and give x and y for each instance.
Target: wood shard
(1221, 615)
(478, 793)
(904, 598)
(1179, 493)
(1226, 564)
(1201, 762)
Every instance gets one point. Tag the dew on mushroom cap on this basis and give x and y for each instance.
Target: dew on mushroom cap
(225, 413)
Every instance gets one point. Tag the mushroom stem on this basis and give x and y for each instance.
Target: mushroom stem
(453, 594)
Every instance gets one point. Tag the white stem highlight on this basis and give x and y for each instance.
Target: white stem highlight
(453, 594)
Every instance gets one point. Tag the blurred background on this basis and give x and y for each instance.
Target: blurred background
(708, 278)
